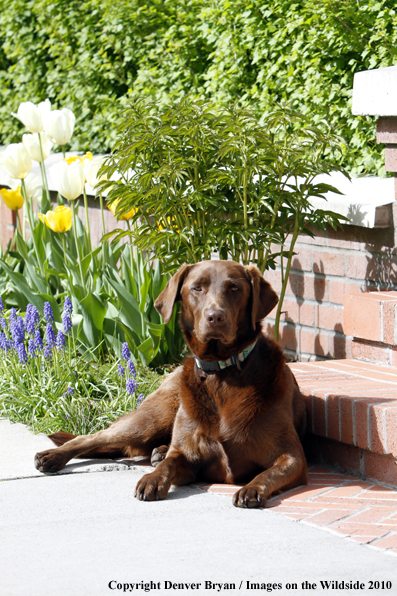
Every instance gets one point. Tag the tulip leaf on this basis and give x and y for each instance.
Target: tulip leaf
(95, 310)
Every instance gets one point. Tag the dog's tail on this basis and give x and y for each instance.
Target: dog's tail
(61, 437)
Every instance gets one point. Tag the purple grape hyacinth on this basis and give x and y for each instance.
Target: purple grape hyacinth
(131, 368)
(67, 306)
(121, 370)
(32, 319)
(48, 314)
(131, 386)
(22, 355)
(17, 331)
(67, 323)
(38, 341)
(139, 400)
(69, 391)
(31, 347)
(5, 343)
(125, 351)
(60, 341)
(49, 335)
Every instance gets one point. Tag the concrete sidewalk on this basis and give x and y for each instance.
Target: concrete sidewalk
(80, 533)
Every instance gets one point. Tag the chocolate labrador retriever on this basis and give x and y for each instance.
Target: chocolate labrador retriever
(232, 413)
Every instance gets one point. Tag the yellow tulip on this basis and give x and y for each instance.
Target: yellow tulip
(59, 220)
(12, 198)
(73, 158)
(113, 208)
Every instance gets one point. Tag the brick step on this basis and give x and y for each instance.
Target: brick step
(352, 416)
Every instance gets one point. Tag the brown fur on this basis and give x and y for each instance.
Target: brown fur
(232, 426)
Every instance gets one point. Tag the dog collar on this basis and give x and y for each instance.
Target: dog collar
(216, 365)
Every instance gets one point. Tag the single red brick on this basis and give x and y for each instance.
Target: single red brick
(346, 409)
(380, 467)
(329, 317)
(333, 411)
(298, 312)
(356, 502)
(362, 316)
(376, 427)
(314, 342)
(387, 542)
(288, 337)
(391, 431)
(361, 529)
(328, 517)
(372, 515)
(340, 347)
(329, 262)
(389, 321)
(362, 267)
(361, 423)
(273, 277)
(303, 493)
(369, 352)
(303, 259)
(352, 488)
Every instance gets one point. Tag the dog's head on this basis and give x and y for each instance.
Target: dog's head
(221, 300)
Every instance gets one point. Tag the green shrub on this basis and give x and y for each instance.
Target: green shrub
(94, 57)
(201, 180)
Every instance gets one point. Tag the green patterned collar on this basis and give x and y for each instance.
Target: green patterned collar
(216, 365)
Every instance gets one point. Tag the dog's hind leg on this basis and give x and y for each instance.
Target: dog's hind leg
(136, 433)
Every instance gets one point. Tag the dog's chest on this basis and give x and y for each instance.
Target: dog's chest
(230, 402)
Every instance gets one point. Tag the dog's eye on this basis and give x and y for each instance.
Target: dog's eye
(234, 289)
(197, 288)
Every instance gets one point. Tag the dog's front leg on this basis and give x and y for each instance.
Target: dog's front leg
(174, 469)
(289, 470)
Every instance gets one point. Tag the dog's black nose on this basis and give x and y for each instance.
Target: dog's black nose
(215, 317)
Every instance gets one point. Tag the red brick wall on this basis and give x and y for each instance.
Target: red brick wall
(326, 268)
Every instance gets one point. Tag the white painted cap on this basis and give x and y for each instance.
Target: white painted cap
(375, 92)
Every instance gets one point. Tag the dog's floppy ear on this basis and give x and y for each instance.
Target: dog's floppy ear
(264, 298)
(166, 300)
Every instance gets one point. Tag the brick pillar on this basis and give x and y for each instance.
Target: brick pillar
(386, 132)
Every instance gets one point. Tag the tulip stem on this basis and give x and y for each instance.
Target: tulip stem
(29, 209)
(77, 242)
(43, 172)
(102, 214)
(87, 220)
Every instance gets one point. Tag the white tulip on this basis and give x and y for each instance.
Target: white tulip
(91, 169)
(70, 179)
(32, 144)
(34, 188)
(15, 160)
(59, 125)
(32, 116)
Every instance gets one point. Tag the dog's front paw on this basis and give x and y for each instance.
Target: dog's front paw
(49, 461)
(152, 487)
(158, 454)
(249, 497)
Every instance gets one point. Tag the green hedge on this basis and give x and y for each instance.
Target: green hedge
(93, 56)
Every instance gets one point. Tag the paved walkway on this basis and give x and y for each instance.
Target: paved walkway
(79, 533)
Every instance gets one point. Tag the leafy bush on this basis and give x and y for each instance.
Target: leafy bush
(200, 180)
(94, 57)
